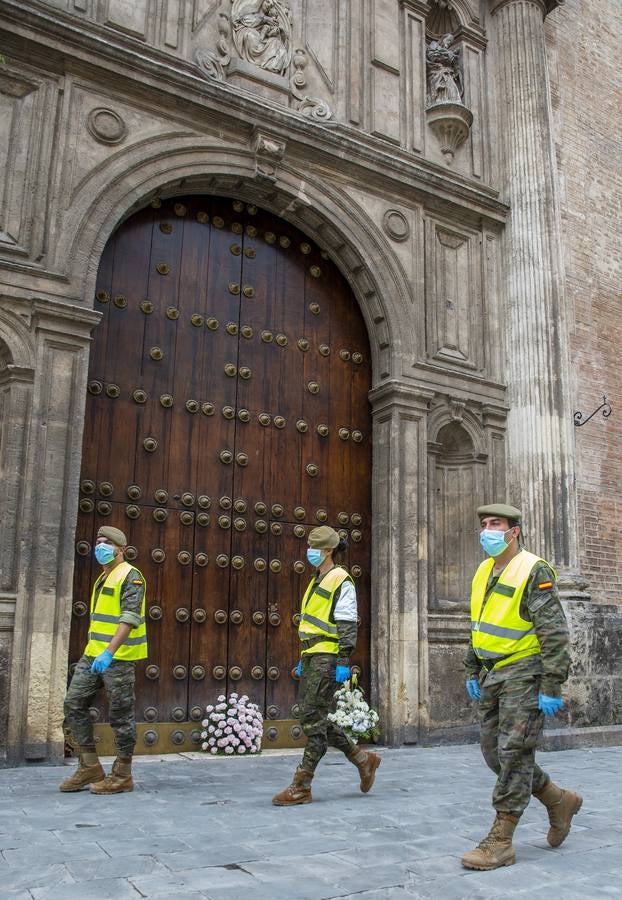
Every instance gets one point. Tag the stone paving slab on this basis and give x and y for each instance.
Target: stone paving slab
(204, 828)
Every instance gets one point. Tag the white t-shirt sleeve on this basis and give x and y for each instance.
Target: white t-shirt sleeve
(345, 608)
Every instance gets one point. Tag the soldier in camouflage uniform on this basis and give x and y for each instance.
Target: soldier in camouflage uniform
(516, 664)
(327, 632)
(117, 638)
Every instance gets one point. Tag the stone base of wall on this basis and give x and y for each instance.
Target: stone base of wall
(592, 716)
(581, 738)
(594, 689)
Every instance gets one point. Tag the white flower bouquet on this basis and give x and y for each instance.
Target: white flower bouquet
(353, 714)
(233, 725)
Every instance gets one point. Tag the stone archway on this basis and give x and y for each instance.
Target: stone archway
(227, 415)
(399, 506)
(361, 252)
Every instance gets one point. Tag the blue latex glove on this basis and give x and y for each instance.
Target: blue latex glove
(342, 673)
(101, 662)
(550, 705)
(299, 668)
(473, 689)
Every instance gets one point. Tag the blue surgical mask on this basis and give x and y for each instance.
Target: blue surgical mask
(314, 556)
(104, 554)
(493, 542)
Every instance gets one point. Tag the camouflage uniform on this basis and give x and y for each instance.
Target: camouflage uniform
(118, 681)
(508, 708)
(317, 690)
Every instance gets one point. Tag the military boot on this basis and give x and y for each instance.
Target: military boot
(119, 780)
(299, 790)
(366, 762)
(88, 772)
(561, 806)
(496, 849)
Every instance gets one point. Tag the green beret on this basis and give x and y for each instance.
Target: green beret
(323, 538)
(503, 510)
(113, 534)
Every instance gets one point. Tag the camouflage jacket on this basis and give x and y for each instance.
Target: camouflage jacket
(541, 606)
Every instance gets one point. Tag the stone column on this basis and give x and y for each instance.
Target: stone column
(46, 528)
(540, 455)
(399, 559)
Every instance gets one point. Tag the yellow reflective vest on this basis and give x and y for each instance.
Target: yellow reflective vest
(105, 612)
(317, 628)
(498, 631)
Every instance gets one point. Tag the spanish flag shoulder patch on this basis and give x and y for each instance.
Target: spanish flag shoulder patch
(137, 581)
(544, 585)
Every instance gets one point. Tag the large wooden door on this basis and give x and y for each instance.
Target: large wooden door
(227, 415)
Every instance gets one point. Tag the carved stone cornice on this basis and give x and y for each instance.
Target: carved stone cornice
(547, 6)
(398, 394)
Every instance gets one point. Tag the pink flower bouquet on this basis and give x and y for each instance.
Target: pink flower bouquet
(233, 725)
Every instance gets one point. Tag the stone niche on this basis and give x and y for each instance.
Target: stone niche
(461, 467)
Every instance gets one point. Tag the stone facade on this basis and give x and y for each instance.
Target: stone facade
(432, 181)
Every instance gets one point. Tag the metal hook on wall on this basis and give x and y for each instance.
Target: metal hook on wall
(605, 406)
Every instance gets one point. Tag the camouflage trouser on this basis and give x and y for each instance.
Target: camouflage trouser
(317, 689)
(118, 680)
(510, 725)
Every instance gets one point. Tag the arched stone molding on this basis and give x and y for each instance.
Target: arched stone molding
(452, 410)
(321, 210)
(15, 335)
(465, 10)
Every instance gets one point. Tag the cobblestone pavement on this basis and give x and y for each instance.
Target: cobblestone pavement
(198, 827)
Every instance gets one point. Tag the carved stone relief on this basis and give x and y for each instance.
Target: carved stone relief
(269, 152)
(262, 31)
(256, 44)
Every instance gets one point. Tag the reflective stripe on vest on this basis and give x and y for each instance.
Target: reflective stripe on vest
(316, 613)
(105, 613)
(498, 631)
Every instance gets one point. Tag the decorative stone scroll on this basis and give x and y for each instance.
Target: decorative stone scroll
(213, 63)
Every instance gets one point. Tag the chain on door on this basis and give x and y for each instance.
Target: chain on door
(227, 415)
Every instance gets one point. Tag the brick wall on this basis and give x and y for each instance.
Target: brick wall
(584, 40)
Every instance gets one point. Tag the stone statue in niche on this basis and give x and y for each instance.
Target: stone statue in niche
(261, 33)
(445, 112)
(443, 72)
